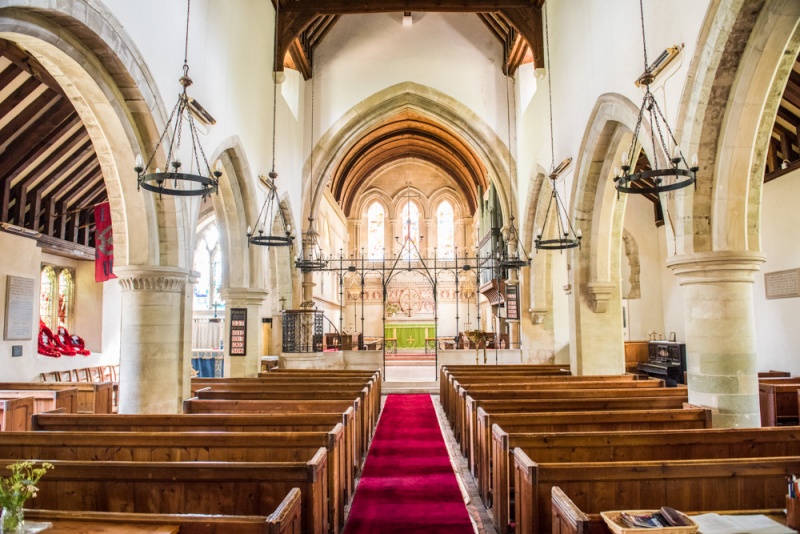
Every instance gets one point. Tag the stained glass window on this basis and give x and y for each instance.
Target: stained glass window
(65, 287)
(375, 230)
(411, 222)
(46, 292)
(410, 230)
(445, 226)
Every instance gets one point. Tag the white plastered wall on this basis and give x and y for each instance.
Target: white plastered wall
(776, 320)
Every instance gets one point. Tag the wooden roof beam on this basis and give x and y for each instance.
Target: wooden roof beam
(351, 7)
(529, 23)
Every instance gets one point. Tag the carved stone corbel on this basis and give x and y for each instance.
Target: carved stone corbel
(601, 294)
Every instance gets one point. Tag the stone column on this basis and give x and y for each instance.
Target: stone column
(429, 240)
(155, 357)
(720, 333)
(252, 300)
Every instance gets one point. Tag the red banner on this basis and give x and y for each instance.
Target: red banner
(103, 244)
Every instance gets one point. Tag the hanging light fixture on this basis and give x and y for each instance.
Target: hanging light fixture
(513, 255)
(272, 208)
(676, 173)
(201, 181)
(566, 237)
(311, 257)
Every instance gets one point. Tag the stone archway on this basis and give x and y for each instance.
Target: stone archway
(458, 118)
(596, 341)
(106, 79)
(729, 106)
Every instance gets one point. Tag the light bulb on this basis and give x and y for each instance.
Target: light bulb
(538, 232)
(158, 170)
(249, 230)
(218, 166)
(139, 165)
(624, 159)
(176, 162)
(695, 161)
(617, 172)
(676, 152)
(579, 233)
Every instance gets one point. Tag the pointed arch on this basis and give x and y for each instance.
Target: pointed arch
(471, 130)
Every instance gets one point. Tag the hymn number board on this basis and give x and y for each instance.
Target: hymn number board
(238, 346)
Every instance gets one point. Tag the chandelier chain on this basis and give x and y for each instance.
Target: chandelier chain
(549, 87)
(644, 41)
(275, 83)
(186, 43)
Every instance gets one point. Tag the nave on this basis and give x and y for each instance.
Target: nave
(532, 449)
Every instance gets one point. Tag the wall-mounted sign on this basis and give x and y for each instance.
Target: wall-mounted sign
(19, 308)
(782, 284)
(238, 346)
(512, 303)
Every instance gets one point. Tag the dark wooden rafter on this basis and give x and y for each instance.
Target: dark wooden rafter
(784, 143)
(50, 176)
(303, 24)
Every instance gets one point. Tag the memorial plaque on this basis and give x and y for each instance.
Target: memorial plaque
(782, 284)
(19, 308)
(238, 346)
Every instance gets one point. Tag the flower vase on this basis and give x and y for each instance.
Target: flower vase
(13, 520)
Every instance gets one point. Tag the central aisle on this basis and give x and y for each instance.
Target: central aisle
(408, 484)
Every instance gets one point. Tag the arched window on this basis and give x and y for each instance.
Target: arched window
(56, 293)
(65, 288)
(47, 290)
(411, 222)
(375, 230)
(445, 231)
(208, 262)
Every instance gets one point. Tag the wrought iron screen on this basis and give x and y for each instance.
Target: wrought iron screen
(302, 330)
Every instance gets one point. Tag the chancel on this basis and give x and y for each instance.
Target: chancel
(495, 262)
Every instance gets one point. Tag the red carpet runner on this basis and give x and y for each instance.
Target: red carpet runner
(408, 484)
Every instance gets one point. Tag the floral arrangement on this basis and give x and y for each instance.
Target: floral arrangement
(18, 488)
(392, 307)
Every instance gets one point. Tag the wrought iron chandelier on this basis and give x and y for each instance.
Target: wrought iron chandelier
(677, 173)
(311, 257)
(201, 180)
(566, 236)
(271, 210)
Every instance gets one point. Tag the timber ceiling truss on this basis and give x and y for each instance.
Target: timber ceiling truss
(517, 24)
(50, 174)
(784, 144)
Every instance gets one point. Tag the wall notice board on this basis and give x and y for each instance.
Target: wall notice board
(238, 332)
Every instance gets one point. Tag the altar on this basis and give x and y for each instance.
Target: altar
(209, 363)
(410, 335)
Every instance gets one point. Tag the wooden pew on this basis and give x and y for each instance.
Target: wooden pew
(560, 400)
(494, 467)
(459, 391)
(93, 397)
(673, 444)
(253, 407)
(213, 488)
(284, 520)
(189, 447)
(569, 519)
(778, 402)
(728, 484)
(211, 423)
(44, 401)
(460, 382)
(446, 371)
(774, 374)
(15, 414)
(308, 391)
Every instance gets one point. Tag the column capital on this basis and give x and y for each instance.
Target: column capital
(601, 293)
(243, 296)
(716, 266)
(152, 278)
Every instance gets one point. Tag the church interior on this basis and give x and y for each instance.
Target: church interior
(513, 232)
